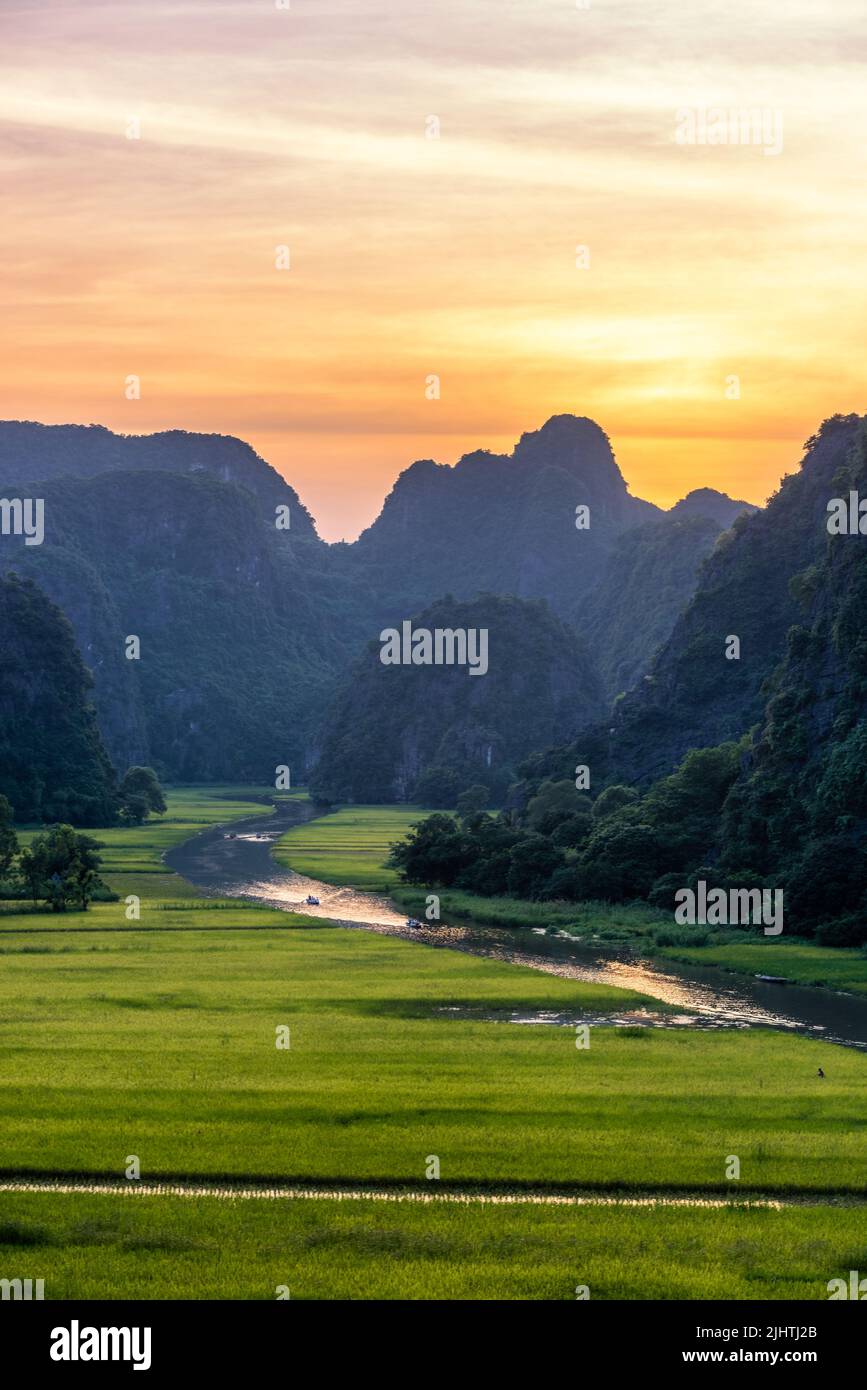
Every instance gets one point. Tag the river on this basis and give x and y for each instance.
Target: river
(236, 861)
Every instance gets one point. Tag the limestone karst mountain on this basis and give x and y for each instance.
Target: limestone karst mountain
(246, 627)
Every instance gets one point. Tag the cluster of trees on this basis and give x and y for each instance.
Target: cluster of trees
(138, 795)
(564, 844)
(60, 866)
(625, 846)
(53, 764)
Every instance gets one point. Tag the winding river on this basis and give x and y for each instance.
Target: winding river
(236, 861)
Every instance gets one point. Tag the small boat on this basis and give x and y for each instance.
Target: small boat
(231, 836)
(413, 922)
(311, 901)
(773, 979)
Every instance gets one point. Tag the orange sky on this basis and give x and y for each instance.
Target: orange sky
(455, 256)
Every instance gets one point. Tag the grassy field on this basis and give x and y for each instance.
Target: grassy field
(172, 1247)
(800, 961)
(159, 1041)
(171, 1038)
(132, 855)
(349, 846)
(607, 921)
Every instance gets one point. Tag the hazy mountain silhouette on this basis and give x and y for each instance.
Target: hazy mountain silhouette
(246, 628)
(692, 696)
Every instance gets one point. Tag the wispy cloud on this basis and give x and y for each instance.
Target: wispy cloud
(455, 255)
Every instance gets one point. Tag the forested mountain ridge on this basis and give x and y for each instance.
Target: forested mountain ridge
(241, 628)
(708, 502)
(31, 452)
(53, 765)
(693, 696)
(799, 806)
(393, 725)
(246, 627)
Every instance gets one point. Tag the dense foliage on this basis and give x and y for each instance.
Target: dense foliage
(782, 807)
(52, 762)
(140, 794)
(427, 733)
(61, 866)
(564, 845)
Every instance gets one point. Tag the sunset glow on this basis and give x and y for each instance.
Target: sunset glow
(453, 256)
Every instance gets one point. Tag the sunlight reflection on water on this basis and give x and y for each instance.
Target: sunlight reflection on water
(239, 864)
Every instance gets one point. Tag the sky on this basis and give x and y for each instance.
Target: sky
(432, 168)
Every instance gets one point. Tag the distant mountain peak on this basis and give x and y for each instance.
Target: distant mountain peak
(567, 426)
(708, 502)
(572, 442)
(32, 452)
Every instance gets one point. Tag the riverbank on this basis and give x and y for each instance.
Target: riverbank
(350, 847)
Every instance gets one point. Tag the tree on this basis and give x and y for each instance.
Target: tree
(533, 861)
(573, 831)
(472, 801)
(61, 866)
(434, 852)
(437, 787)
(134, 809)
(140, 794)
(30, 874)
(8, 838)
(621, 859)
(53, 765)
(613, 799)
(554, 802)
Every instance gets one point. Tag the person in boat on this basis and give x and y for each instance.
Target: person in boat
(311, 901)
(413, 922)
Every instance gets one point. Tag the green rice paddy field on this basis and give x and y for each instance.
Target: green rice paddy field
(349, 846)
(157, 1039)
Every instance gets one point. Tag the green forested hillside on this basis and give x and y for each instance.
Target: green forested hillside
(391, 725)
(242, 628)
(693, 696)
(799, 808)
(782, 806)
(246, 629)
(648, 579)
(53, 766)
